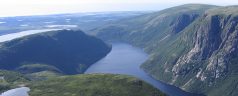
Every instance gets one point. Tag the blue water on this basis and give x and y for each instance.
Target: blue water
(12, 36)
(126, 59)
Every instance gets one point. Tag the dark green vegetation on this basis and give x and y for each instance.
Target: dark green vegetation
(78, 85)
(64, 51)
(93, 85)
(191, 46)
(32, 68)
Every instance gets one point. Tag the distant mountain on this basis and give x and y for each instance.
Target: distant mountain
(64, 51)
(146, 29)
(191, 46)
(93, 85)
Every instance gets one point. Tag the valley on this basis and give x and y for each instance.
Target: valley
(126, 59)
(186, 50)
(190, 46)
(120, 48)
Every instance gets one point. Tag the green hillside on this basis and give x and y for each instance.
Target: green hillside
(93, 85)
(10, 79)
(79, 85)
(151, 30)
(64, 51)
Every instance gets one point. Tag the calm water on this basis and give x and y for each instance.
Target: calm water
(126, 59)
(23, 91)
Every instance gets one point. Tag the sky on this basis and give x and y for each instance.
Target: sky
(44, 7)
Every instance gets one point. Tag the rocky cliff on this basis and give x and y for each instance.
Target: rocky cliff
(191, 46)
(213, 52)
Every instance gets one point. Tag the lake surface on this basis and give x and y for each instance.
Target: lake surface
(11, 36)
(126, 59)
(23, 91)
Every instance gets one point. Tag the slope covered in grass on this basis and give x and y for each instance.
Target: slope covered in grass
(10, 79)
(93, 85)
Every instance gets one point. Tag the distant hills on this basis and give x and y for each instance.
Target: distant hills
(82, 21)
(192, 46)
(64, 51)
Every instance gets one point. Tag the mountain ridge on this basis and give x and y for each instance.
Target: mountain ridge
(190, 49)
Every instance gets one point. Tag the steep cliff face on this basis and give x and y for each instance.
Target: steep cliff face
(152, 29)
(194, 48)
(182, 21)
(210, 52)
